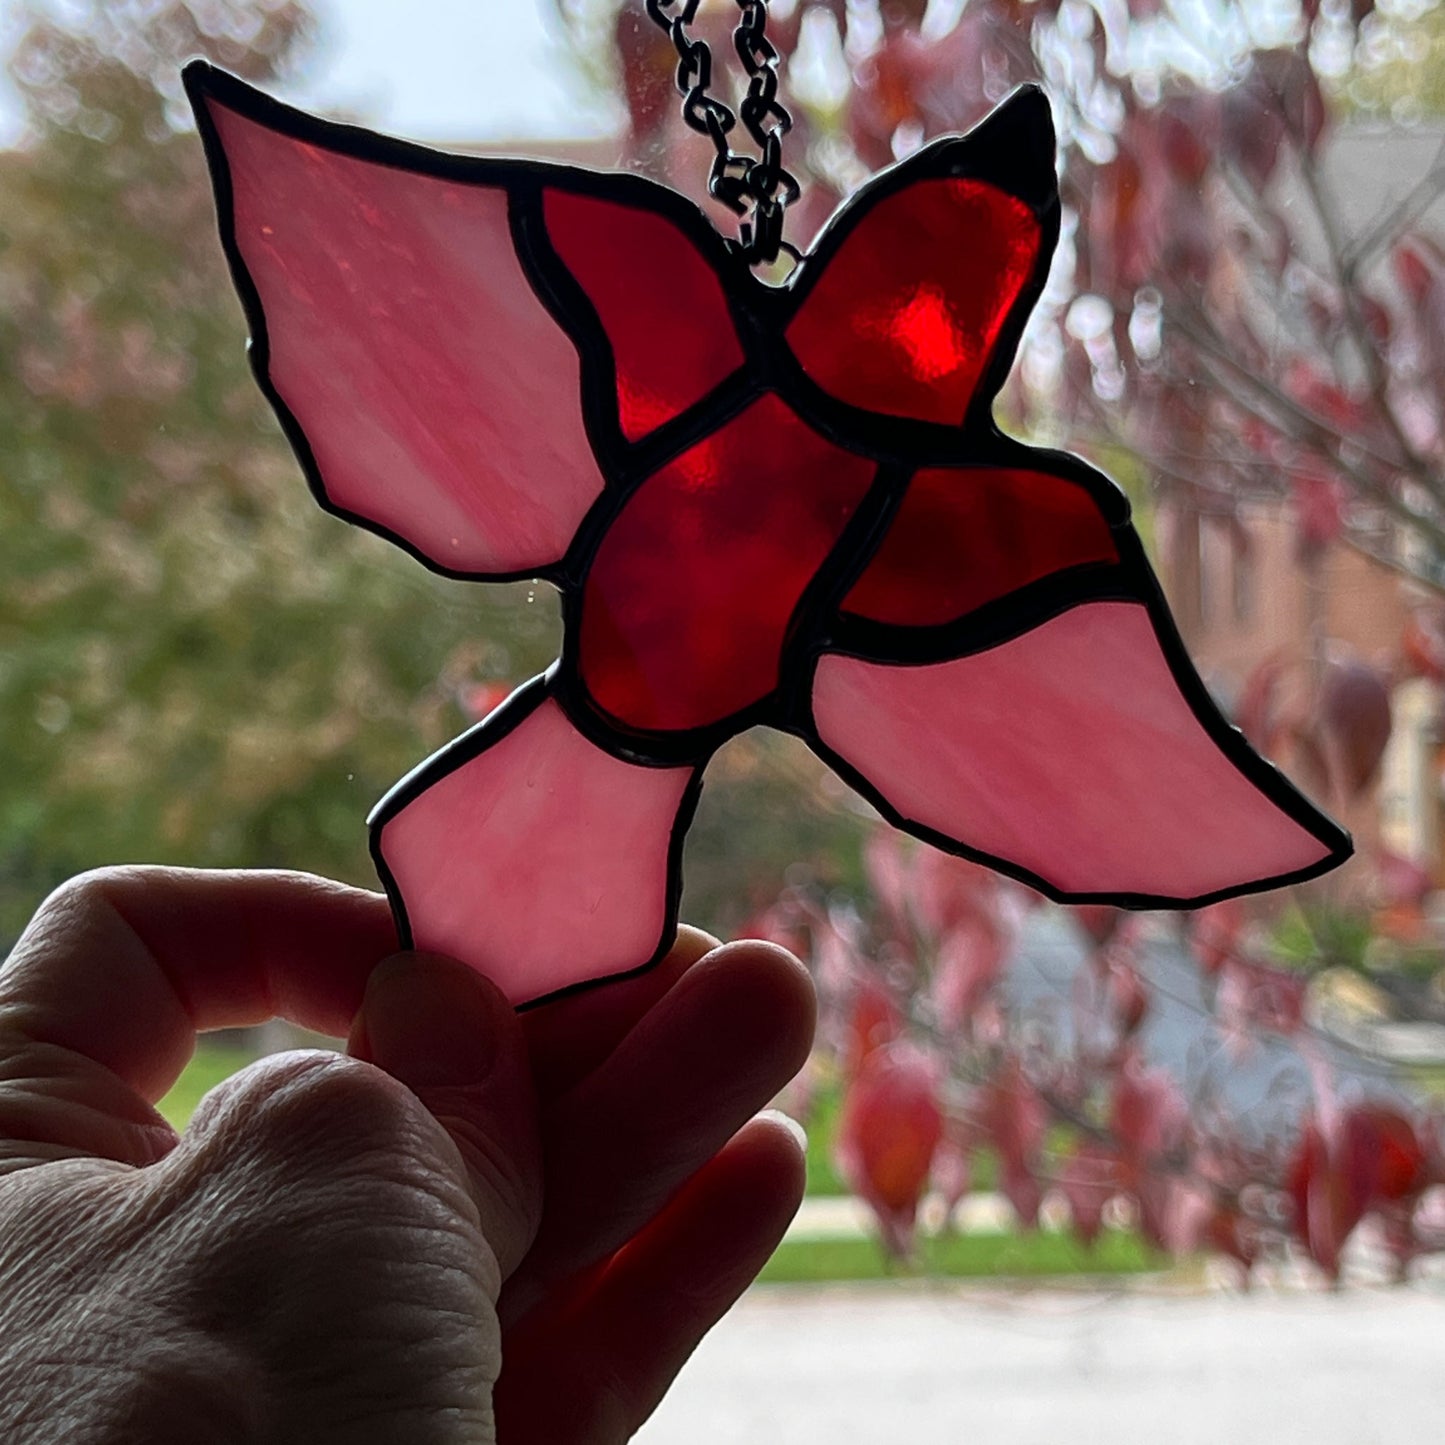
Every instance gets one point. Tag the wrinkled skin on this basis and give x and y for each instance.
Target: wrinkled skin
(471, 1227)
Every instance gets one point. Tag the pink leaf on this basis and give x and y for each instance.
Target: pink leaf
(1258, 711)
(1254, 996)
(1354, 714)
(1089, 1178)
(1369, 1156)
(952, 1173)
(1252, 130)
(1099, 921)
(949, 890)
(888, 1133)
(1422, 646)
(888, 877)
(1015, 1120)
(1231, 1233)
(1402, 882)
(1217, 932)
(1387, 1151)
(968, 963)
(1128, 996)
(874, 1022)
(1319, 513)
(1149, 1114)
(477, 699)
(1174, 1211)
(1329, 1198)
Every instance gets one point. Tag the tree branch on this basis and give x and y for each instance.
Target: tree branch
(1277, 409)
(1379, 378)
(1417, 200)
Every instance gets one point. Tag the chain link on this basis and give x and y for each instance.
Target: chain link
(756, 188)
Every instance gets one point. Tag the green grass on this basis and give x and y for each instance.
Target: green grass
(211, 1064)
(1033, 1255)
(1429, 1077)
(822, 1125)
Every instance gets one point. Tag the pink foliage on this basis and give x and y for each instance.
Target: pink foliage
(1014, 1120)
(1258, 714)
(952, 1175)
(1217, 932)
(938, 1063)
(874, 1021)
(1319, 513)
(1089, 1177)
(1355, 722)
(970, 958)
(1401, 881)
(1254, 997)
(1099, 922)
(889, 1129)
(1367, 1156)
(1149, 1114)
(1128, 996)
(1175, 1211)
(1422, 646)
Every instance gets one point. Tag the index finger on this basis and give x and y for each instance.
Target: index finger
(124, 966)
(569, 1037)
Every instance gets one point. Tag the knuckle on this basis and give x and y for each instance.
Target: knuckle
(78, 900)
(310, 1104)
(311, 1137)
(96, 890)
(81, 908)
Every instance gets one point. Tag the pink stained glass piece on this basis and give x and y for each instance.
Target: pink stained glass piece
(542, 862)
(659, 300)
(964, 536)
(1068, 752)
(689, 598)
(908, 311)
(390, 298)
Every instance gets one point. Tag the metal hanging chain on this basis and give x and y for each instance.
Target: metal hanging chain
(754, 187)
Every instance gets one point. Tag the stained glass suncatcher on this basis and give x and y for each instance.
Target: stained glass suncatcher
(780, 505)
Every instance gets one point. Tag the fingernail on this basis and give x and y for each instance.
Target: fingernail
(429, 1021)
(790, 1124)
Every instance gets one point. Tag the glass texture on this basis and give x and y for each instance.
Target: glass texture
(1069, 752)
(542, 862)
(966, 536)
(905, 316)
(661, 305)
(439, 398)
(692, 589)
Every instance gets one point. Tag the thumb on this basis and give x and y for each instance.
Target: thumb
(452, 1038)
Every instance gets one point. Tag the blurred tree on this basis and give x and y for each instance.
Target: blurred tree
(196, 664)
(1068, 1099)
(1400, 62)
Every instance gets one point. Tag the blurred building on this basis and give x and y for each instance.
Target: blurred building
(1244, 599)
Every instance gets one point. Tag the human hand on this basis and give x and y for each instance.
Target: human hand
(351, 1248)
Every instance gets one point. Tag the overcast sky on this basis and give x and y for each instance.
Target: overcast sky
(432, 70)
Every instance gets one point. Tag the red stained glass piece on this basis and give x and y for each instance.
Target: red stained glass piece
(660, 303)
(689, 597)
(389, 298)
(1069, 752)
(965, 536)
(907, 313)
(541, 862)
